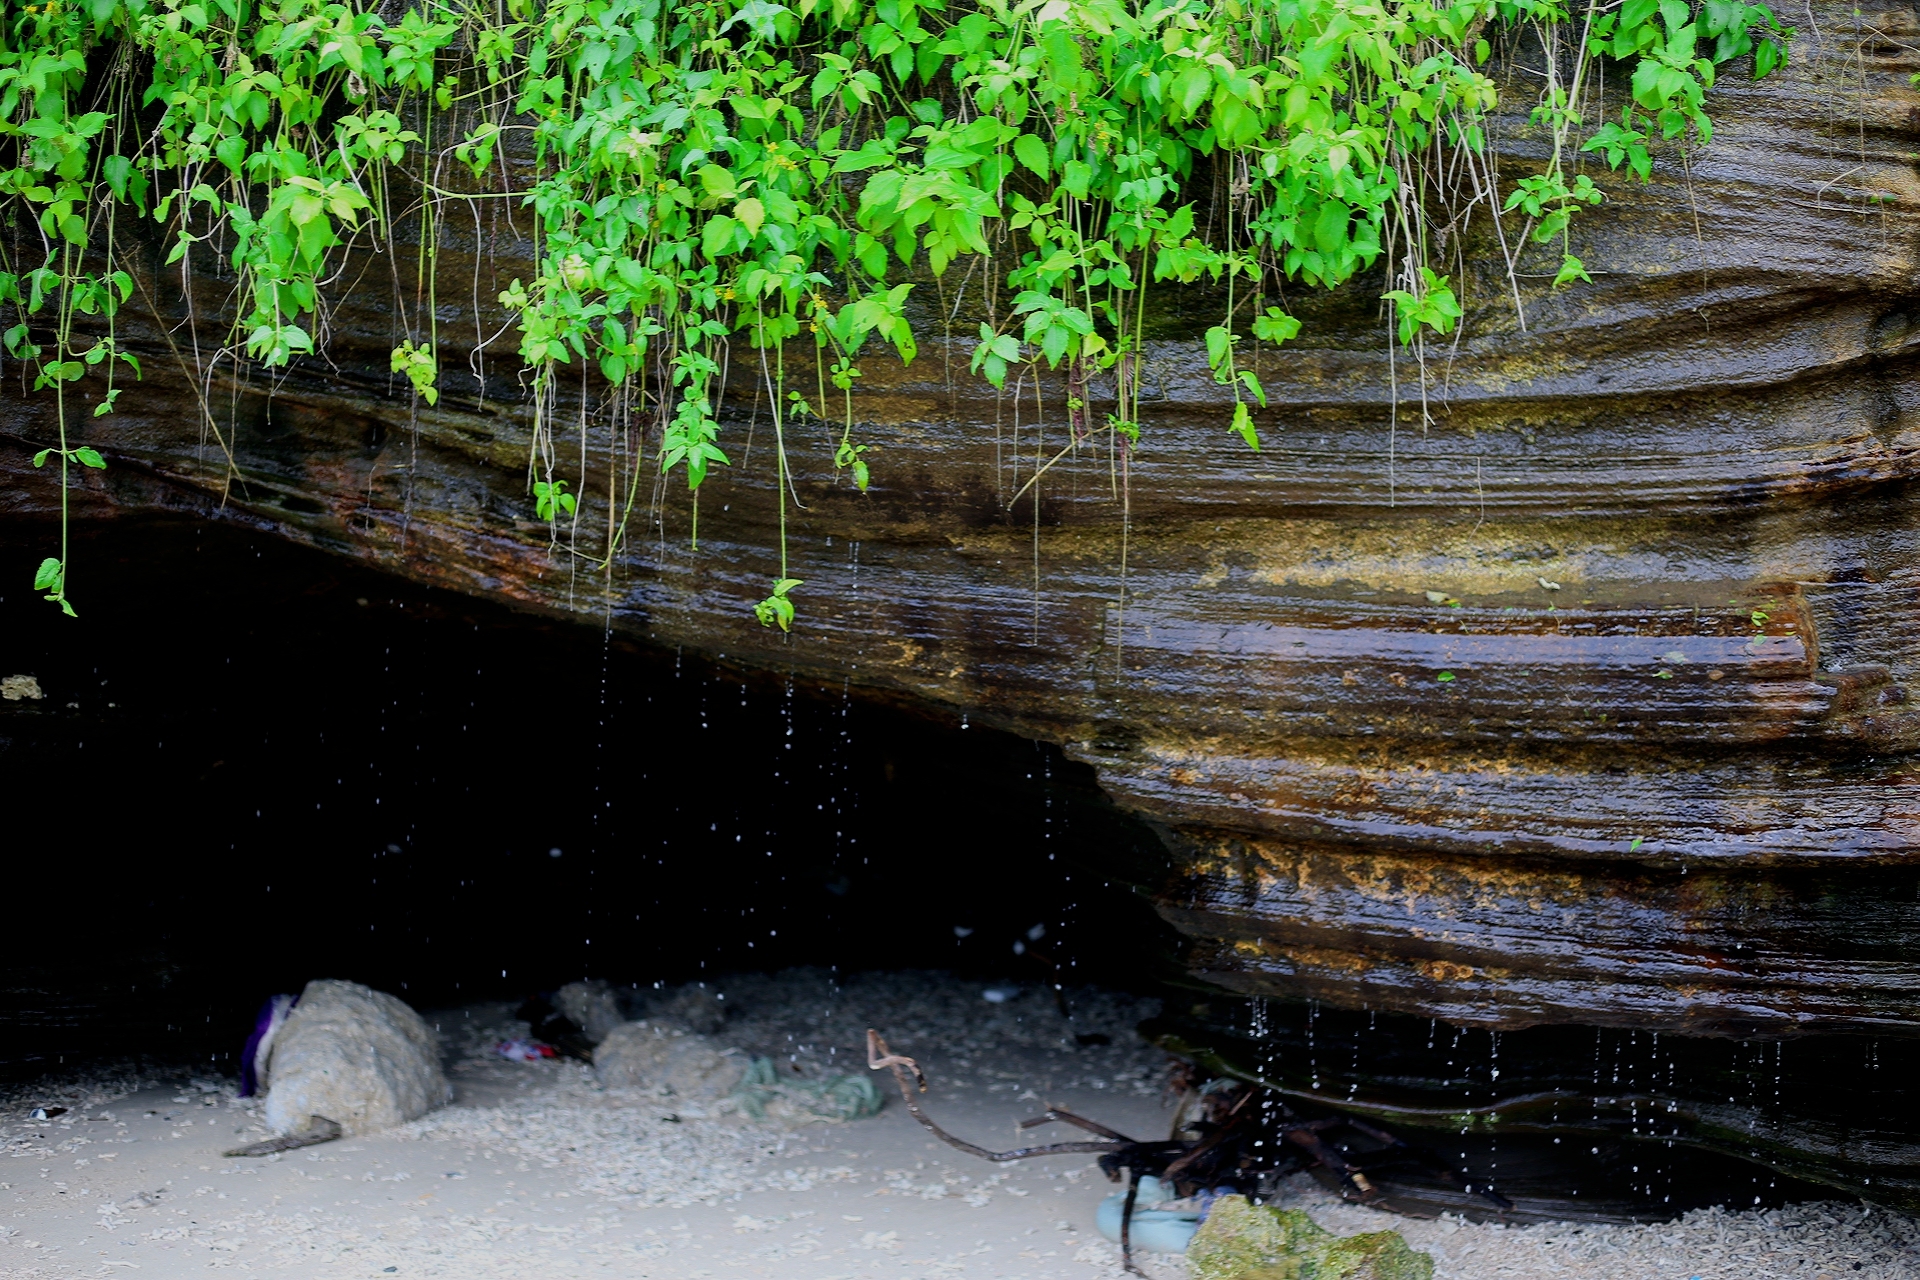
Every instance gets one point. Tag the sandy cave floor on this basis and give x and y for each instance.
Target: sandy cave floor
(535, 1170)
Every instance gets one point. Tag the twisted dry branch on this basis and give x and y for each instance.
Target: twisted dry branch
(879, 1056)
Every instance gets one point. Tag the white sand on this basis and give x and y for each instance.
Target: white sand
(534, 1171)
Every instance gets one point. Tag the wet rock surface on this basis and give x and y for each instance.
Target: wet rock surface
(1584, 1123)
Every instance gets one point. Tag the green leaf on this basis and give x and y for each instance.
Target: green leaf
(232, 151)
(1191, 88)
(116, 169)
(1243, 423)
(1077, 177)
(776, 608)
(761, 17)
(751, 214)
(716, 238)
(1276, 326)
(48, 576)
(1031, 152)
(90, 458)
(874, 153)
(40, 458)
(1219, 350)
(1571, 269)
(1445, 677)
(550, 500)
(717, 182)
(1252, 384)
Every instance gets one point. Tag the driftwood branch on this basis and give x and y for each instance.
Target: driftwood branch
(319, 1129)
(879, 1056)
(1079, 1121)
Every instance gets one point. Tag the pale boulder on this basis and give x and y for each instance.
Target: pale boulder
(591, 1006)
(695, 1006)
(666, 1062)
(356, 1056)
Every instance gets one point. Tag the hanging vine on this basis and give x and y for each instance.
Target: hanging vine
(756, 175)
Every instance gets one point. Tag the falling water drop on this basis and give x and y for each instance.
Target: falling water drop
(1313, 1049)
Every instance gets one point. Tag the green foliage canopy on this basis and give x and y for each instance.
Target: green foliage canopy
(752, 173)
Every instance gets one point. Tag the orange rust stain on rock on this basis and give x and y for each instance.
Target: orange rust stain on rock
(1444, 970)
(1319, 958)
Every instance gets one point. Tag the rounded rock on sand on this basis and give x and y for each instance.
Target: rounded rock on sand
(695, 1006)
(359, 1057)
(665, 1061)
(591, 1006)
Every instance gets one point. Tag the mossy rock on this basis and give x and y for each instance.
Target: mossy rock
(1243, 1241)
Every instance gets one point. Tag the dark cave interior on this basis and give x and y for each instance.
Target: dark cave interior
(255, 764)
(261, 765)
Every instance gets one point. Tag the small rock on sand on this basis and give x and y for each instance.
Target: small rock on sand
(695, 1006)
(15, 688)
(591, 1006)
(359, 1057)
(1243, 1241)
(666, 1061)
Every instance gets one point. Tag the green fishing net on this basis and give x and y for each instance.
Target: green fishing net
(833, 1098)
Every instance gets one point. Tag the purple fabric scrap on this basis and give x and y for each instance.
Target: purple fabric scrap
(266, 1025)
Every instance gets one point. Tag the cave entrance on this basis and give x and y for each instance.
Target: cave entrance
(266, 764)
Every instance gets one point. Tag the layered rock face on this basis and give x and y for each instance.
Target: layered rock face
(1562, 677)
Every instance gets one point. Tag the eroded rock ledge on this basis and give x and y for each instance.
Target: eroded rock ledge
(1396, 765)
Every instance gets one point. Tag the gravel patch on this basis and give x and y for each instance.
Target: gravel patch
(1826, 1240)
(629, 1151)
(811, 1020)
